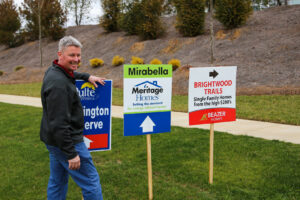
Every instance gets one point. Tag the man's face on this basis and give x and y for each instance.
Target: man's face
(70, 57)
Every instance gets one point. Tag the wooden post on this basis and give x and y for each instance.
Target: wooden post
(149, 163)
(211, 154)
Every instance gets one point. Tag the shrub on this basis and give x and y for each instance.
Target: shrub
(143, 18)
(175, 63)
(1, 73)
(19, 67)
(155, 62)
(117, 60)
(131, 20)
(96, 62)
(151, 27)
(190, 17)
(233, 13)
(136, 60)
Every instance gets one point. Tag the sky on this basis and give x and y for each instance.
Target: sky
(93, 15)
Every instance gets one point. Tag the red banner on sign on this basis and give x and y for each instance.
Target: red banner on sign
(98, 141)
(209, 116)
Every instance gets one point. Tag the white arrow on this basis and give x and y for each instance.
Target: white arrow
(87, 142)
(147, 125)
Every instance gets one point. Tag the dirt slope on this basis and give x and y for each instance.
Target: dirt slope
(266, 51)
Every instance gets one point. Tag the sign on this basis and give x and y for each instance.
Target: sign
(96, 104)
(212, 95)
(147, 99)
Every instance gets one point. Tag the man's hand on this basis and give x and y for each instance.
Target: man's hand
(94, 79)
(74, 163)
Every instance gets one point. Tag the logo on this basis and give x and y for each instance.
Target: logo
(204, 117)
(147, 91)
(87, 91)
(89, 85)
(147, 87)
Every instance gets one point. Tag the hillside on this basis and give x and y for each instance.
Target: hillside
(266, 51)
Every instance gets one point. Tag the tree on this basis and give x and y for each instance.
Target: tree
(151, 27)
(52, 19)
(132, 18)
(190, 17)
(112, 11)
(9, 23)
(143, 18)
(233, 13)
(79, 7)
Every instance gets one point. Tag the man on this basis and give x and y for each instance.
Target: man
(62, 125)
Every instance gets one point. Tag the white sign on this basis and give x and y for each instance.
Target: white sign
(147, 99)
(212, 95)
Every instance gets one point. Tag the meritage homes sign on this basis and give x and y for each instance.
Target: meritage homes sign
(147, 99)
(212, 95)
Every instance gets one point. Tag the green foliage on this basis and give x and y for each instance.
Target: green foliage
(53, 17)
(9, 24)
(19, 67)
(175, 63)
(151, 27)
(143, 18)
(117, 60)
(96, 62)
(136, 60)
(1, 72)
(155, 61)
(131, 20)
(233, 13)
(112, 10)
(190, 17)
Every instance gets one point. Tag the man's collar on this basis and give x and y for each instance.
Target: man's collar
(71, 73)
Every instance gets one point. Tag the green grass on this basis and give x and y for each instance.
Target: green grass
(276, 108)
(244, 167)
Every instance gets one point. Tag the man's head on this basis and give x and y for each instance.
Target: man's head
(69, 53)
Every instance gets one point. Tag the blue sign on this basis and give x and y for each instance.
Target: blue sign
(147, 123)
(96, 104)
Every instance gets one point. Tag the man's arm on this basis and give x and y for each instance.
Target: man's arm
(90, 78)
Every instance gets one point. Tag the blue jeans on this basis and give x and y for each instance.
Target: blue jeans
(86, 177)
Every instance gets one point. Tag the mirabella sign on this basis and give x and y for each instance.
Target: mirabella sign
(212, 95)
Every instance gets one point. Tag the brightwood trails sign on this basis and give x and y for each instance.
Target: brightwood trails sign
(212, 95)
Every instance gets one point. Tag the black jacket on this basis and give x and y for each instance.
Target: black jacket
(62, 123)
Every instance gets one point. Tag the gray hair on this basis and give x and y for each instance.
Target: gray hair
(68, 41)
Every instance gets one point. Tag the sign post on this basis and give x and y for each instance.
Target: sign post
(212, 99)
(96, 104)
(149, 167)
(147, 104)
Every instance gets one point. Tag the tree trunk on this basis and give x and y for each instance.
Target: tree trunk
(40, 5)
(278, 2)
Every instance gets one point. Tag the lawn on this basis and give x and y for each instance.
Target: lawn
(277, 108)
(244, 167)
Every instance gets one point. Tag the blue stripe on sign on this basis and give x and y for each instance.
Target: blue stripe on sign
(133, 123)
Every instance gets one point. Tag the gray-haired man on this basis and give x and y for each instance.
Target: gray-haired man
(62, 125)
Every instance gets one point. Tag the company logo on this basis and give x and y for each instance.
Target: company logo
(147, 91)
(204, 117)
(147, 87)
(87, 91)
